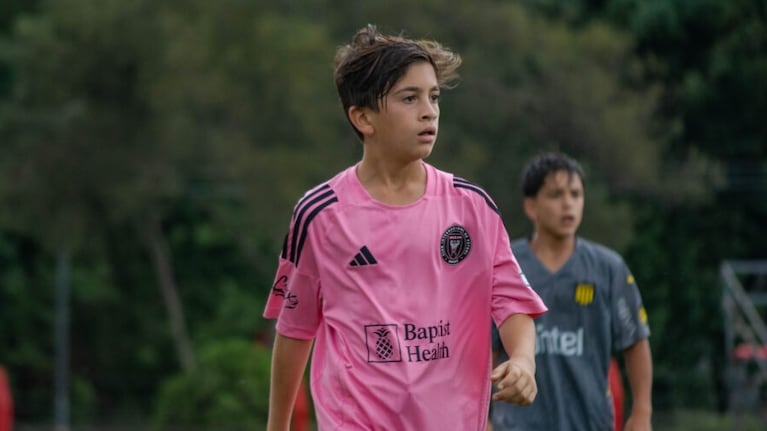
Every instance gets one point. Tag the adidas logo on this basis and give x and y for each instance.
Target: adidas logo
(364, 257)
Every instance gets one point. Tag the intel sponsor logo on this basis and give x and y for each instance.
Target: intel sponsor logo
(553, 341)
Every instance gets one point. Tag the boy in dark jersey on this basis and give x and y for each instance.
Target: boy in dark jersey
(594, 310)
(391, 268)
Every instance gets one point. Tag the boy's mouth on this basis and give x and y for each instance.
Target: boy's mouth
(431, 131)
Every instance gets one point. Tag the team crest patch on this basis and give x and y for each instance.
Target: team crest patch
(455, 244)
(584, 293)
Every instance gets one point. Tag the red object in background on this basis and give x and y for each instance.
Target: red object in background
(300, 410)
(616, 389)
(748, 352)
(6, 402)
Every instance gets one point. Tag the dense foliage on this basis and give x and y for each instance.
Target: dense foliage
(152, 151)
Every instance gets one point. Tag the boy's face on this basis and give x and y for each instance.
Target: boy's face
(557, 209)
(405, 128)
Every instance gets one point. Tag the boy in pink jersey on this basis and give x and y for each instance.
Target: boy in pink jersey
(392, 268)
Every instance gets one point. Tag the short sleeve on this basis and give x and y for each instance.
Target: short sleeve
(295, 297)
(511, 292)
(294, 301)
(629, 316)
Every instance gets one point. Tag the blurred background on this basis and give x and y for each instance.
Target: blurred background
(151, 153)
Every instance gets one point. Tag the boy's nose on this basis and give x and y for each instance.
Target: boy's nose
(430, 112)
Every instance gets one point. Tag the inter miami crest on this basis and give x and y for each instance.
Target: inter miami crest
(455, 244)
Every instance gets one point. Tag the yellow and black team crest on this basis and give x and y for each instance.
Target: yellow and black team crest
(584, 293)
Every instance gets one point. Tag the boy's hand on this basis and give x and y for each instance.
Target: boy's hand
(514, 383)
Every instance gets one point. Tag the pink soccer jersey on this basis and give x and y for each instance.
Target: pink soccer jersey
(398, 299)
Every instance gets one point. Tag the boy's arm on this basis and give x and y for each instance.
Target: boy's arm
(639, 371)
(515, 378)
(289, 358)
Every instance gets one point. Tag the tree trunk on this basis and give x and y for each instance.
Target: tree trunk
(62, 342)
(161, 257)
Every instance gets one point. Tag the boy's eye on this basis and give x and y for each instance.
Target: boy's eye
(409, 98)
(435, 97)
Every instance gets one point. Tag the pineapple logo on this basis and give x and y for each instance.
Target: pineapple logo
(384, 346)
(382, 343)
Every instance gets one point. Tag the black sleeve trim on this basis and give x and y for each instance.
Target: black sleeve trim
(306, 225)
(318, 199)
(461, 183)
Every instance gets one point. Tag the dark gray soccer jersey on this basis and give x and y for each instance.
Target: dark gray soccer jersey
(594, 309)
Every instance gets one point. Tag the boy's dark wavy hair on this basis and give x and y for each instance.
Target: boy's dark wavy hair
(367, 68)
(539, 167)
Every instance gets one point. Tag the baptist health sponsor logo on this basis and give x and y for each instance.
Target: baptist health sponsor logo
(421, 343)
(557, 342)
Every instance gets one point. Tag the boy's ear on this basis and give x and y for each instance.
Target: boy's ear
(360, 118)
(528, 204)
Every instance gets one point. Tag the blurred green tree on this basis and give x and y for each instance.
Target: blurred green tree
(225, 393)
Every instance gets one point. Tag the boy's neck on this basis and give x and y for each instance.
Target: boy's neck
(553, 252)
(393, 184)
